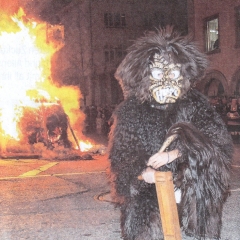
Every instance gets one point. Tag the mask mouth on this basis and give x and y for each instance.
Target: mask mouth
(165, 94)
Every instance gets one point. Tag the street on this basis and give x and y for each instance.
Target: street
(55, 200)
(61, 200)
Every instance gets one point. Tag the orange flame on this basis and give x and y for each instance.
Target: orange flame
(85, 146)
(25, 75)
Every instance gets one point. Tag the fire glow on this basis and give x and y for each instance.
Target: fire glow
(25, 78)
(20, 71)
(85, 146)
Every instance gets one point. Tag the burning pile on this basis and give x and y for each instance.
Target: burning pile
(37, 118)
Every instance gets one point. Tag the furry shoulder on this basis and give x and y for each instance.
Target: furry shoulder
(126, 110)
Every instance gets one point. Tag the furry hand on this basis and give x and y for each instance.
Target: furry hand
(158, 159)
(161, 158)
(148, 175)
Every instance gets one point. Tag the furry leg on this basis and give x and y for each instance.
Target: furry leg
(192, 219)
(140, 219)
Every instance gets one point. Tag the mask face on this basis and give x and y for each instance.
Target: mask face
(166, 80)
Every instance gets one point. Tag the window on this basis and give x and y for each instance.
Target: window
(123, 20)
(237, 26)
(212, 34)
(214, 88)
(114, 54)
(108, 19)
(115, 20)
(55, 34)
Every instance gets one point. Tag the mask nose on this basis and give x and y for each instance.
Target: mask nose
(167, 55)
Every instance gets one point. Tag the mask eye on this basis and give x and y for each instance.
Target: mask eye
(174, 74)
(157, 73)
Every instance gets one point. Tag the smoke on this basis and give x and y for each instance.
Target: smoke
(38, 10)
(43, 10)
(9, 7)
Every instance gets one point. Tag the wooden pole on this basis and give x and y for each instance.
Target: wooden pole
(167, 205)
(73, 134)
(166, 199)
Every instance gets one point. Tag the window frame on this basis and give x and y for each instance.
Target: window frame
(115, 20)
(206, 36)
(114, 54)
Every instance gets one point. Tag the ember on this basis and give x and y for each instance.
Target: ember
(37, 118)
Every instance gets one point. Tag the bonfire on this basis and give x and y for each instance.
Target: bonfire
(38, 118)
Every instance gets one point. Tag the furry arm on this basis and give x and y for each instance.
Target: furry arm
(204, 167)
(130, 145)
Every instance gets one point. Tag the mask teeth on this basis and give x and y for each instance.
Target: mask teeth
(165, 95)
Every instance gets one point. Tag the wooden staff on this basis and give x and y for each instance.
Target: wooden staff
(166, 199)
(69, 125)
(167, 205)
(73, 134)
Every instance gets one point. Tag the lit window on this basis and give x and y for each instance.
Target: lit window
(212, 34)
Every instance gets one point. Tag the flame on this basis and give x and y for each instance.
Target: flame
(25, 75)
(20, 71)
(85, 146)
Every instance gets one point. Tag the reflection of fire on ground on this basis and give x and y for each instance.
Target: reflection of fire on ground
(37, 117)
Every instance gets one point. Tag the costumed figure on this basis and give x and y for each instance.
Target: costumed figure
(157, 76)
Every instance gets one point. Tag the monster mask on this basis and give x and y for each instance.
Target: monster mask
(166, 80)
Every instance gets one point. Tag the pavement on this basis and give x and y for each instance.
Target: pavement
(45, 200)
(42, 200)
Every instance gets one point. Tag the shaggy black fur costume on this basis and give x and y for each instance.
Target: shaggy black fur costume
(139, 129)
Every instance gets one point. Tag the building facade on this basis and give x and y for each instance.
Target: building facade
(215, 25)
(97, 34)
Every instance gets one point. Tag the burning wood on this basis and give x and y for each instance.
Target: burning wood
(43, 133)
(47, 124)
